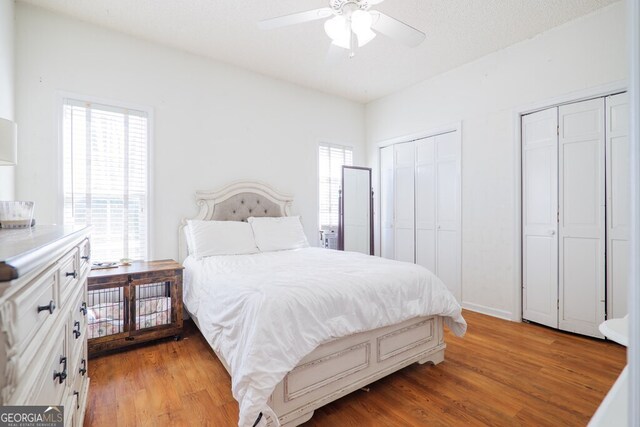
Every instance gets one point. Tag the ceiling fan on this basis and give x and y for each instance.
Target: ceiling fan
(349, 18)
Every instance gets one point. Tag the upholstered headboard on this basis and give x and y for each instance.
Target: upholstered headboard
(236, 202)
(243, 205)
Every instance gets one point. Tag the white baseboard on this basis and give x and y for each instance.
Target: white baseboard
(490, 311)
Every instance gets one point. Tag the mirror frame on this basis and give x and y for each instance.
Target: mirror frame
(341, 210)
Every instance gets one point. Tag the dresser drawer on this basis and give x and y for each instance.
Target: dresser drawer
(69, 272)
(54, 373)
(77, 328)
(82, 386)
(36, 307)
(85, 255)
(82, 362)
(69, 404)
(78, 393)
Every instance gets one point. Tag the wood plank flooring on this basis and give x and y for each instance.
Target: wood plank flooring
(500, 374)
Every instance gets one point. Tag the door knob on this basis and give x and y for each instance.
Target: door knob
(552, 232)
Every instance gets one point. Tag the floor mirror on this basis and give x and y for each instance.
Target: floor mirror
(355, 229)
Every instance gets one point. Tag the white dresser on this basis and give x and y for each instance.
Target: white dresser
(43, 340)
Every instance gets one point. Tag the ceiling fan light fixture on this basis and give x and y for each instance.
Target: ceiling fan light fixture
(351, 18)
(338, 30)
(365, 37)
(361, 22)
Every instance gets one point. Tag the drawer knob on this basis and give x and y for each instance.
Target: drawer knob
(83, 369)
(77, 396)
(76, 329)
(61, 376)
(83, 308)
(85, 257)
(73, 273)
(50, 307)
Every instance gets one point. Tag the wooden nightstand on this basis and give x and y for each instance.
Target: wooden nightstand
(133, 304)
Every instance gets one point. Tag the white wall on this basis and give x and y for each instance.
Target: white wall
(214, 123)
(6, 87)
(484, 95)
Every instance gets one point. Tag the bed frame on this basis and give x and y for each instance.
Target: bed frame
(337, 367)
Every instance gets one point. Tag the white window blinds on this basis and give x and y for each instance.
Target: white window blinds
(331, 159)
(105, 177)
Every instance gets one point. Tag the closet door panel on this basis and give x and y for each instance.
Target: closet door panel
(580, 284)
(540, 296)
(386, 203)
(448, 210)
(448, 180)
(404, 165)
(404, 250)
(618, 208)
(447, 193)
(581, 156)
(426, 249)
(581, 175)
(618, 278)
(448, 260)
(539, 217)
(425, 195)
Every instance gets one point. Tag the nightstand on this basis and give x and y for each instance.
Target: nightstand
(131, 304)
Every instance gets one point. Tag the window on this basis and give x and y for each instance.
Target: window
(105, 176)
(331, 159)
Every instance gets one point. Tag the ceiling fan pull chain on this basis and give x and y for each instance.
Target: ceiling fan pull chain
(352, 43)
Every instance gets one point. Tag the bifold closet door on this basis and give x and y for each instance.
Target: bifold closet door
(618, 208)
(581, 195)
(386, 203)
(425, 203)
(437, 181)
(448, 211)
(540, 217)
(403, 190)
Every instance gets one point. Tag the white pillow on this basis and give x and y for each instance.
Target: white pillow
(276, 234)
(187, 237)
(209, 238)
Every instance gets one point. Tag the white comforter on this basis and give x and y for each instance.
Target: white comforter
(265, 312)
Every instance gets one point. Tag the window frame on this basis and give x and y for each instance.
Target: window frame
(317, 148)
(59, 118)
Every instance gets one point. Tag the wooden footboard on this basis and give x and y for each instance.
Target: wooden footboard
(341, 366)
(344, 365)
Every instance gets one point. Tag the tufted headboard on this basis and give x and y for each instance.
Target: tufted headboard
(243, 205)
(236, 202)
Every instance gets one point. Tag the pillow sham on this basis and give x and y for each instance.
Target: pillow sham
(208, 238)
(187, 237)
(278, 233)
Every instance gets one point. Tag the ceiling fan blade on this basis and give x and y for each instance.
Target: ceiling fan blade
(391, 27)
(295, 18)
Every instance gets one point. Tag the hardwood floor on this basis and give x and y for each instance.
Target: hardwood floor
(500, 374)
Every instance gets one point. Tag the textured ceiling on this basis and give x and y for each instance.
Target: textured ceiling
(458, 31)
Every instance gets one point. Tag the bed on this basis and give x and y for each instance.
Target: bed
(299, 329)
